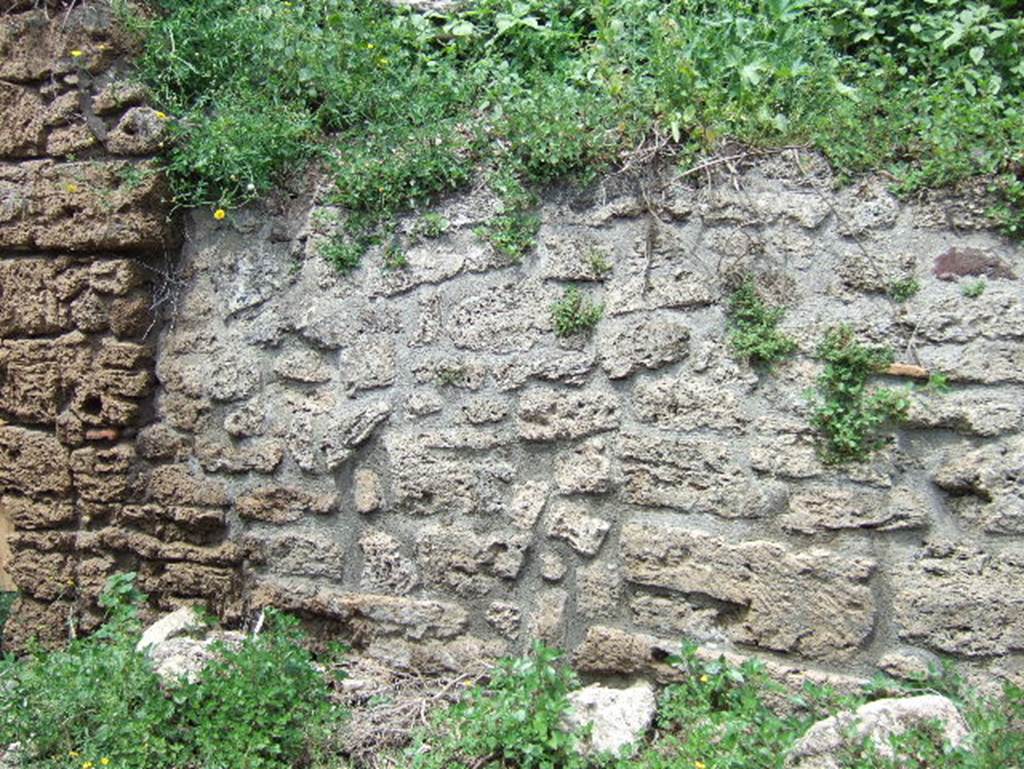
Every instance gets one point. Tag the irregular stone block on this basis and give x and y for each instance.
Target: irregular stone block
(176, 485)
(985, 485)
(27, 513)
(956, 262)
(678, 617)
(569, 367)
(505, 618)
(367, 614)
(694, 475)
(686, 403)
(549, 414)
(140, 131)
(33, 462)
(615, 718)
(585, 469)
(866, 207)
(552, 567)
(367, 491)
(256, 455)
(385, 569)
(315, 557)
(369, 363)
(467, 563)
(986, 412)
(22, 133)
(283, 504)
(961, 600)
(350, 428)
(814, 603)
(598, 590)
(302, 366)
(82, 207)
(527, 503)
(547, 622)
(105, 474)
(502, 319)
(827, 743)
(584, 533)
(628, 345)
(32, 302)
(820, 508)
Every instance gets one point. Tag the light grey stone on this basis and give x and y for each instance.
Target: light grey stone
(505, 618)
(584, 469)
(182, 621)
(628, 345)
(570, 522)
(616, 717)
(549, 414)
(823, 745)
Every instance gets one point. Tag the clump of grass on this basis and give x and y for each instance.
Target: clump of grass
(902, 290)
(574, 314)
(395, 257)
(849, 415)
(974, 288)
(513, 721)
(753, 327)
(431, 225)
(344, 253)
(98, 703)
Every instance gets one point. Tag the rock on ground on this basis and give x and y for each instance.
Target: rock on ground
(617, 717)
(878, 721)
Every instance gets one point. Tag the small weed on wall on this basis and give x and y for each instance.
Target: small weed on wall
(849, 414)
(574, 314)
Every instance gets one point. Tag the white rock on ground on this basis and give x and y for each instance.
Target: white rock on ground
(618, 717)
(879, 721)
(183, 621)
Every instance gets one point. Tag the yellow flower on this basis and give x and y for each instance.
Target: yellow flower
(76, 54)
(88, 765)
(71, 187)
(104, 761)
(383, 61)
(704, 679)
(219, 214)
(370, 46)
(73, 754)
(160, 115)
(699, 765)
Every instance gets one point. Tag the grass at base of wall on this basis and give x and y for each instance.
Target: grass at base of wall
(98, 704)
(406, 104)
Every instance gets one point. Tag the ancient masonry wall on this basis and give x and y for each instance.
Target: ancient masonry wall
(412, 458)
(83, 231)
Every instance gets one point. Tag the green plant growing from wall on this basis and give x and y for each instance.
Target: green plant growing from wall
(395, 257)
(753, 327)
(342, 252)
(431, 225)
(848, 414)
(902, 290)
(974, 288)
(574, 314)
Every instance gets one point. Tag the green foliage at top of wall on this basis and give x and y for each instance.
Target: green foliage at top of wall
(406, 104)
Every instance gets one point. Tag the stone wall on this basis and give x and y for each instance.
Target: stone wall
(83, 231)
(413, 459)
(413, 456)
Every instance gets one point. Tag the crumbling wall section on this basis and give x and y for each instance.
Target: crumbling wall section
(84, 233)
(412, 454)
